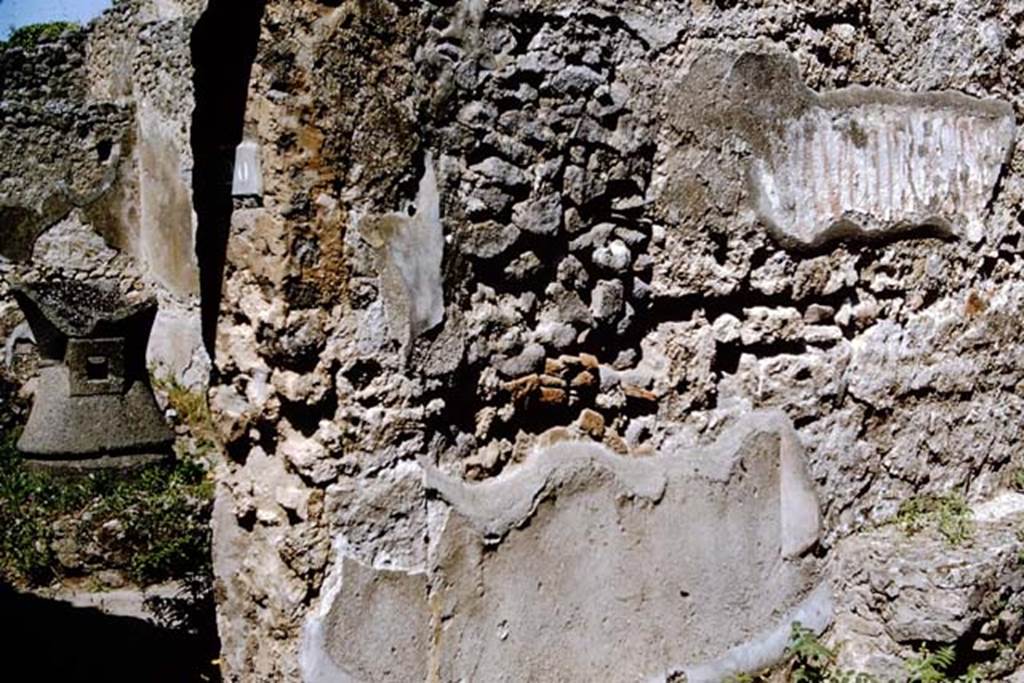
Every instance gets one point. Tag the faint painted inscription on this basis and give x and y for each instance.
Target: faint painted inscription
(868, 161)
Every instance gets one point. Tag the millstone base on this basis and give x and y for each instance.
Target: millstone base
(106, 462)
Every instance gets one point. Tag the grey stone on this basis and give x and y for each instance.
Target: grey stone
(572, 273)
(554, 334)
(607, 299)
(540, 61)
(541, 216)
(615, 257)
(594, 238)
(523, 266)
(529, 361)
(817, 313)
(497, 171)
(567, 305)
(633, 238)
(93, 401)
(489, 239)
(575, 79)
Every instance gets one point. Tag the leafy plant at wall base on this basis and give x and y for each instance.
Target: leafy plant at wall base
(812, 662)
(931, 667)
(162, 512)
(811, 659)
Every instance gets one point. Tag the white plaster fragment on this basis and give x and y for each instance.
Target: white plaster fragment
(870, 161)
(410, 249)
(248, 177)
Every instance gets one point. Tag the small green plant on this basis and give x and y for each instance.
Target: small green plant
(192, 410)
(1017, 480)
(948, 513)
(930, 667)
(811, 659)
(937, 667)
(160, 513)
(29, 36)
(813, 662)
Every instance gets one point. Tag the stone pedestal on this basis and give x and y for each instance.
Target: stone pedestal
(94, 406)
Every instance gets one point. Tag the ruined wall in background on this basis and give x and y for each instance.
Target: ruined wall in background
(96, 171)
(655, 220)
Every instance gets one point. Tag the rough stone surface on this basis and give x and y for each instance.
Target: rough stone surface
(903, 591)
(575, 240)
(588, 154)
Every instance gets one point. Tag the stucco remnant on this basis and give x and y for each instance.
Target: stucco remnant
(248, 176)
(873, 161)
(585, 565)
(410, 246)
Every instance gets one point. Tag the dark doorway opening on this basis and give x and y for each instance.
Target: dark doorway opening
(224, 44)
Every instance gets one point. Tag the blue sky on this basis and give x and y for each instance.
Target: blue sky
(15, 13)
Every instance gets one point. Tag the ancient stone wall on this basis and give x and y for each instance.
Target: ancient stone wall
(491, 228)
(97, 166)
(602, 339)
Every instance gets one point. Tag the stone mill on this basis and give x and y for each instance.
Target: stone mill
(93, 405)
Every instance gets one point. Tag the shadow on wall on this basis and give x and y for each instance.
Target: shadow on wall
(224, 44)
(54, 641)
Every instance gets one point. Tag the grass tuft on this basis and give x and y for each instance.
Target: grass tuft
(154, 518)
(948, 513)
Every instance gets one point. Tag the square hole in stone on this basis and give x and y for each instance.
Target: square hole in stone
(97, 368)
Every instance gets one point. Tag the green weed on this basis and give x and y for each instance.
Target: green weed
(1017, 480)
(948, 513)
(192, 410)
(29, 36)
(161, 511)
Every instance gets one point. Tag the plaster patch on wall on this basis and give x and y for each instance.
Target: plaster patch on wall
(871, 161)
(176, 345)
(166, 242)
(583, 564)
(248, 175)
(410, 247)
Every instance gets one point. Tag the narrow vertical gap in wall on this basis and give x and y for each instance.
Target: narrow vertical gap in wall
(223, 45)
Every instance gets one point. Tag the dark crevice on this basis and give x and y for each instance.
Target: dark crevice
(223, 46)
(306, 417)
(853, 14)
